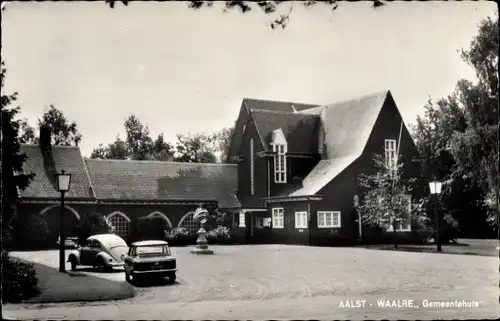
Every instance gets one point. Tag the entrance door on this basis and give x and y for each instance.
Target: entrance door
(248, 227)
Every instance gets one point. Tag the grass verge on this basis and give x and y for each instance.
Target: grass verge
(431, 248)
(59, 287)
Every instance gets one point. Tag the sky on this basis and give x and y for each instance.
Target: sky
(180, 70)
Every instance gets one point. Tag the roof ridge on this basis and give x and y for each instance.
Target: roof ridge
(279, 101)
(357, 98)
(281, 112)
(130, 161)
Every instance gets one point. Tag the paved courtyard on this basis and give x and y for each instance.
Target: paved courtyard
(280, 275)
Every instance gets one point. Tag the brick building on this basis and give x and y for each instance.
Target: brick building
(290, 177)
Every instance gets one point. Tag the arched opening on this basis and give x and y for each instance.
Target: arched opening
(160, 214)
(189, 223)
(52, 215)
(120, 222)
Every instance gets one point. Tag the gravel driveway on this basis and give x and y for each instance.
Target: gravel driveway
(286, 273)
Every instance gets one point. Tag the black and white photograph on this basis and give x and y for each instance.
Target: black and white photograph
(250, 160)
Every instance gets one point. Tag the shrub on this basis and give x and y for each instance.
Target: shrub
(19, 280)
(30, 231)
(180, 236)
(148, 228)
(93, 223)
(219, 235)
(335, 238)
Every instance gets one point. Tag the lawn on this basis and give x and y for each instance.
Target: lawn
(463, 246)
(69, 287)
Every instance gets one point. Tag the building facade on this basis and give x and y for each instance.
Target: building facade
(290, 176)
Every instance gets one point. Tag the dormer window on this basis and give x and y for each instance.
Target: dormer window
(279, 146)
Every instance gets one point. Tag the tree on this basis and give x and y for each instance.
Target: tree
(476, 150)
(385, 200)
(13, 177)
(28, 133)
(194, 148)
(221, 142)
(460, 134)
(162, 150)
(138, 144)
(64, 132)
(115, 150)
(268, 7)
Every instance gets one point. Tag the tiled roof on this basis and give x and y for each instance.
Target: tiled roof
(156, 180)
(44, 185)
(300, 130)
(262, 104)
(347, 126)
(322, 174)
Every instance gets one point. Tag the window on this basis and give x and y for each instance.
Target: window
(259, 222)
(279, 163)
(406, 222)
(120, 223)
(390, 156)
(278, 215)
(189, 223)
(328, 219)
(252, 186)
(300, 219)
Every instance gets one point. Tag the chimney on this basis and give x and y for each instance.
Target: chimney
(45, 138)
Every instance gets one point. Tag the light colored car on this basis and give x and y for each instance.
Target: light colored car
(102, 251)
(69, 243)
(150, 259)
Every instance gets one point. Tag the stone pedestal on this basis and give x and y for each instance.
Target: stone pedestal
(202, 243)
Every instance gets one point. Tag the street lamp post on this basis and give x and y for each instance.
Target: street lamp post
(63, 182)
(435, 188)
(360, 223)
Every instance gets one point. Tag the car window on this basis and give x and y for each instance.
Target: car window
(95, 244)
(88, 243)
(153, 250)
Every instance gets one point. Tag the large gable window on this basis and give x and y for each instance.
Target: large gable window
(280, 149)
(278, 217)
(390, 156)
(279, 163)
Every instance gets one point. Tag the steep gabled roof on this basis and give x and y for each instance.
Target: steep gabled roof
(300, 130)
(261, 104)
(347, 127)
(163, 181)
(250, 104)
(44, 184)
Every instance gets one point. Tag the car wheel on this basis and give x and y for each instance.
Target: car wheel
(100, 265)
(171, 279)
